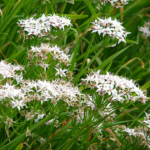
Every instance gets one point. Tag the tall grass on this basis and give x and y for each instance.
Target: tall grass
(74, 87)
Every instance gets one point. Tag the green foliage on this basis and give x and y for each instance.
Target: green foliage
(89, 53)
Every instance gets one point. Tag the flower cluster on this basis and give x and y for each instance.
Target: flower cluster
(41, 53)
(45, 1)
(108, 111)
(59, 90)
(10, 92)
(28, 92)
(117, 88)
(145, 30)
(49, 122)
(43, 25)
(110, 27)
(140, 134)
(114, 3)
(146, 120)
(9, 71)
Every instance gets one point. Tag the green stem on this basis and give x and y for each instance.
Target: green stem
(24, 134)
(11, 135)
(139, 115)
(93, 59)
(87, 52)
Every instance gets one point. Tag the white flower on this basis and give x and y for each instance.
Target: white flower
(42, 140)
(41, 26)
(117, 97)
(28, 133)
(110, 27)
(130, 131)
(113, 2)
(120, 37)
(107, 31)
(29, 115)
(9, 122)
(117, 88)
(60, 72)
(145, 31)
(97, 28)
(18, 104)
(44, 66)
(31, 84)
(90, 104)
(50, 121)
(41, 116)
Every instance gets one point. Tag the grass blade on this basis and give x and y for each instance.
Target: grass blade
(108, 60)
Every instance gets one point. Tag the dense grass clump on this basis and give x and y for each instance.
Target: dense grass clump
(74, 74)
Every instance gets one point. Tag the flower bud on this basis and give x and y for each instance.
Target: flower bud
(57, 65)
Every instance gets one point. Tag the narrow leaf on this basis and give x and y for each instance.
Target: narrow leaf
(93, 59)
(75, 16)
(19, 147)
(17, 55)
(91, 8)
(108, 60)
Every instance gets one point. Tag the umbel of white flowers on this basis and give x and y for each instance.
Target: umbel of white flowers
(117, 88)
(43, 25)
(114, 3)
(145, 30)
(110, 27)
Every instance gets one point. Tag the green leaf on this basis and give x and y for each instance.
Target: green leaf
(66, 136)
(87, 52)
(30, 6)
(92, 60)
(75, 16)
(81, 131)
(98, 60)
(108, 60)
(75, 50)
(129, 8)
(63, 8)
(12, 144)
(146, 85)
(61, 132)
(8, 8)
(17, 55)
(4, 46)
(131, 41)
(9, 18)
(2, 147)
(137, 118)
(93, 49)
(108, 67)
(60, 136)
(70, 1)
(107, 125)
(19, 147)
(91, 8)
